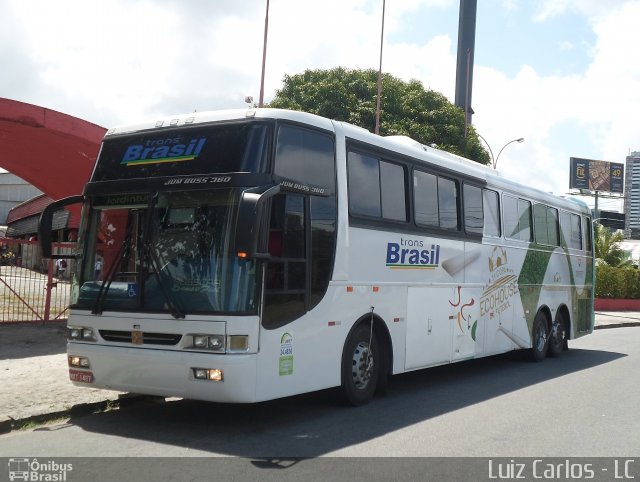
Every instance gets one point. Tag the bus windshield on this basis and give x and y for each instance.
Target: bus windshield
(170, 251)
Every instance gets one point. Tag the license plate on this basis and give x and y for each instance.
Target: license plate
(80, 376)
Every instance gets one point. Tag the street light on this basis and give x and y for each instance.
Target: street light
(494, 160)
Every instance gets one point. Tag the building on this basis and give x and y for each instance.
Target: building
(611, 219)
(632, 196)
(13, 191)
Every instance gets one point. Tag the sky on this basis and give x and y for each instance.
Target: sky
(563, 74)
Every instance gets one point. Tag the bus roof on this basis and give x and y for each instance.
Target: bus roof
(401, 144)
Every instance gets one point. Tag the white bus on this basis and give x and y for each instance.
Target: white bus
(242, 256)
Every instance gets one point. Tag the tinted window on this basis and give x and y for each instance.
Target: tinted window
(448, 203)
(285, 277)
(571, 228)
(435, 201)
(364, 185)
(323, 228)
(305, 156)
(392, 190)
(546, 225)
(491, 213)
(376, 188)
(587, 234)
(177, 152)
(473, 213)
(425, 192)
(517, 218)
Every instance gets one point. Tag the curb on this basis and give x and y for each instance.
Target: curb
(8, 424)
(625, 324)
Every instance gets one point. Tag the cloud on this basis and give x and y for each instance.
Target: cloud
(590, 8)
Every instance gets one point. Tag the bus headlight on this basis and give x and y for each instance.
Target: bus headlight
(80, 333)
(209, 342)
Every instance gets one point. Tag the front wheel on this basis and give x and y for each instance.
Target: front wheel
(360, 366)
(539, 338)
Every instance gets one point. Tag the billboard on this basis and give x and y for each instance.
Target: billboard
(596, 175)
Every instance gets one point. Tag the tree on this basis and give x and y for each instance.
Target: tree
(607, 249)
(407, 108)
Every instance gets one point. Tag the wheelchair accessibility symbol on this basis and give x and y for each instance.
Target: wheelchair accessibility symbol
(132, 290)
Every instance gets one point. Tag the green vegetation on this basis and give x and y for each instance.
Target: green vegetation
(616, 276)
(407, 108)
(606, 247)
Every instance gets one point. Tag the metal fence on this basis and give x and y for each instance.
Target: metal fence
(33, 288)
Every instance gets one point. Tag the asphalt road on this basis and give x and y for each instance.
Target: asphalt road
(583, 404)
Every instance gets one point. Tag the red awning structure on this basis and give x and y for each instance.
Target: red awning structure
(54, 152)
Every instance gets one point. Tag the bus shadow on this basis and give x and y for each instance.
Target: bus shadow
(316, 424)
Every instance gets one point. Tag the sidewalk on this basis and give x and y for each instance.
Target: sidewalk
(35, 379)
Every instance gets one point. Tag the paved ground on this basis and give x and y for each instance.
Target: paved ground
(35, 380)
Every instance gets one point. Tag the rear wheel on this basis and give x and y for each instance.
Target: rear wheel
(539, 338)
(558, 336)
(360, 366)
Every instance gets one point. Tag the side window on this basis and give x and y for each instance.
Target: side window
(517, 218)
(448, 203)
(306, 156)
(571, 228)
(587, 235)
(364, 185)
(392, 191)
(473, 211)
(425, 193)
(546, 225)
(435, 201)
(491, 208)
(376, 188)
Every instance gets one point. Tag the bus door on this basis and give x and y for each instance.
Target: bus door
(429, 327)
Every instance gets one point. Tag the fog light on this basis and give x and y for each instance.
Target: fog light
(78, 361)
(211, 374)
(200, 373)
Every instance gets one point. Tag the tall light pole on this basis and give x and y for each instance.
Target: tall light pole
(377, 128)
(264, 56)
(494, 160)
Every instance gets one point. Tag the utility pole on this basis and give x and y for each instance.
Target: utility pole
(464, 66)
(264, 56)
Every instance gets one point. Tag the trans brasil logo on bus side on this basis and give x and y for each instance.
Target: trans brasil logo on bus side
(412, 254)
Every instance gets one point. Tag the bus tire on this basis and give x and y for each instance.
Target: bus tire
(539, 337)
(558, 336)
(360, 366)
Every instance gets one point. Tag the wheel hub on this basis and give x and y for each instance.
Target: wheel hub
(362, 365)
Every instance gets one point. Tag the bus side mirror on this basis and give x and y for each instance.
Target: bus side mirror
(251, 212)
(47, 223)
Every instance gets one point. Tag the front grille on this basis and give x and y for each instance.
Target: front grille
(147, 338)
